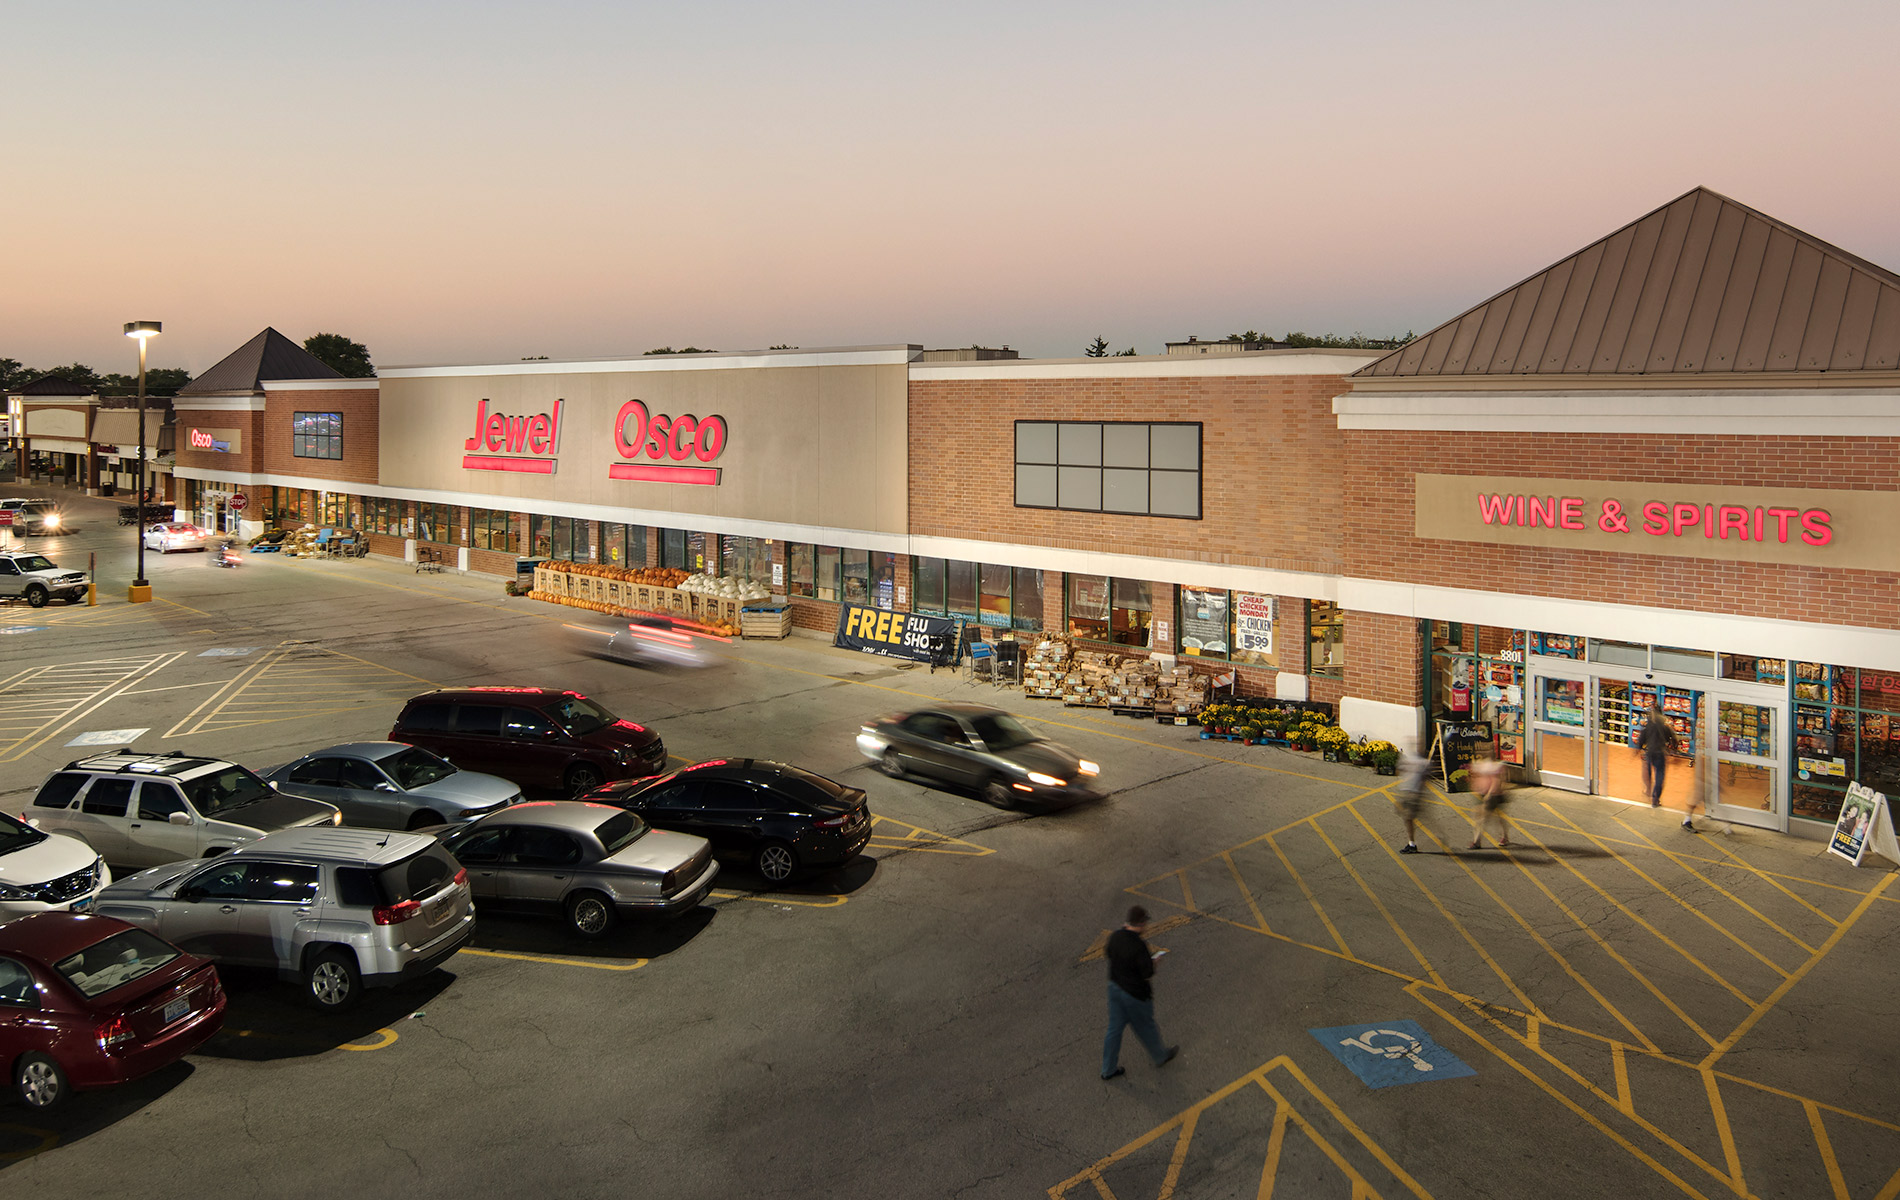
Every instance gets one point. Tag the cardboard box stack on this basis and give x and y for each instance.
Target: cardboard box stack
(1133, 684)
(1088, 681)
(1179, 693)
(1045, 667)
(302, 543)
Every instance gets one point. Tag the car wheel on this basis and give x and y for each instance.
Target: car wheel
(584, 779)
(776, 861)
(332, 983)
(40, 1082)
(590, 914)
(36, 596)
(891, 765)
(424, 818)
(999, 793)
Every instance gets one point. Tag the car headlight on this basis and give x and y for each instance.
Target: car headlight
(1037, 777)
(1087, 767)
(9, 892)
(52, 522)
(336, 818)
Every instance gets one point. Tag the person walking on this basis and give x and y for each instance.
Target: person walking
(1487, 783)
(1413, 768)
(1701, 787)
(1131, 1001)
(1657, 741)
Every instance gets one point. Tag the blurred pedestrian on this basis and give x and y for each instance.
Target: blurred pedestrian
(1131, 1001)
(1657, 741)
(1413, 769)
(1701, 787)
(1487, 784)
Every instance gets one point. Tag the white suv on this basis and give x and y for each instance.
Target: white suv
(36, 579)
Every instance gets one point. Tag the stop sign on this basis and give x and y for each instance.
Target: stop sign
(239, 501)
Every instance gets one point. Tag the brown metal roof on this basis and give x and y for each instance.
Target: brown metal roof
(1703, 285)
(269, 355)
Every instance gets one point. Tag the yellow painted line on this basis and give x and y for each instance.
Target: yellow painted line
(1276, 1142)
(385, 1038)
(1529, 1004)
(596, 964)
(1720, 1113)
(1787, 985)
(1098, 948)
(1595, 1122)
(46, 1138)
(1828, 1159)
(1179, 1156)
(1380, 904)
(1246, 891)
(1310, 897)
(1625, 1104)
(832, 901)
(1891, 1190)
(1769, 878)
(920, 838)
(1549, 949)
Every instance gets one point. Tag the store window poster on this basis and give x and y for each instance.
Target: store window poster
(1253, 624)
(1203, 621)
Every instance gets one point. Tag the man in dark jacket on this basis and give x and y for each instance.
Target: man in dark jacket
(1656, 741)
(1130, 998)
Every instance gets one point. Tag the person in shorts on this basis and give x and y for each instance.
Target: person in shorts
(1487, 784)
(1410, 790)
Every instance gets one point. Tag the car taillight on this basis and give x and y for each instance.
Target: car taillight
(114, 1033)
(461, 877)
(669, 881)
(837, 822)
(396, 914)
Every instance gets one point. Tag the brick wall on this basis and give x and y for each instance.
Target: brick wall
(360, 434)
(1382, 659)
(1378, 520)
(1270, 471)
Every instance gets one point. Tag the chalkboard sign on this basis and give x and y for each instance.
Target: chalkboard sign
(1453, 746)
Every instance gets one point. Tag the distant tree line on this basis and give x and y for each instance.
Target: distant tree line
(1325, 341)
(348, 358)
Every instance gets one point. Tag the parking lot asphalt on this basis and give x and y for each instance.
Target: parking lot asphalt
(1614, 1007)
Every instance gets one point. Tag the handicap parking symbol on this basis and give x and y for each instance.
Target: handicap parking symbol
(1385, 1053)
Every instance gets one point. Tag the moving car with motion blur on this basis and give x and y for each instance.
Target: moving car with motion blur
(36, 579)
(781, 819)
(392, 785)
(592, 863)
(46, 872)
(139, 810)
(88, 1001)
(28, 517)
(337, 910)
(987, 750)
(646, 639)
(167, 536)
(551, 741)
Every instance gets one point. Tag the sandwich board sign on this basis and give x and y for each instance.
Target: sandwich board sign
(1865, 827)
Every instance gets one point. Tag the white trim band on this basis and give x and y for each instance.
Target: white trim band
(1874, 412)
(845, 357)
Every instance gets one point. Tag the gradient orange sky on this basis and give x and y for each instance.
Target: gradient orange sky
(482, 182)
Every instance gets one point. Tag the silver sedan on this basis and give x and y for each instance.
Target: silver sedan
(393, 785)
(592, 863)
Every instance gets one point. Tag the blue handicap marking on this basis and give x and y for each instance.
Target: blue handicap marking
(1384, 1053)
(6, 629)
(226, 652)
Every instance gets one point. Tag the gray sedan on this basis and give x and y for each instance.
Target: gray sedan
(593, 863)
(984, 749)
(393, 785)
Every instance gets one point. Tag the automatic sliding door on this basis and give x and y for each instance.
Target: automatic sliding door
(1748, 781)
(1560, 725)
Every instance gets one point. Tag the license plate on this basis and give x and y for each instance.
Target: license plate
(439, 913)
(176, 1010)
(80, 905)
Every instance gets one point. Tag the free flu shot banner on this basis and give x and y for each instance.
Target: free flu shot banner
(892, 634)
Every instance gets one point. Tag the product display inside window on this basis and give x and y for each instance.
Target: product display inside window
(1202, 623)
(993, 596)
(672, 549)
(854, 573)
(1026, 605)
(799, 569)
(746, 558)
(827, 573)
(1477, 673)
(1088, 606)
(1130, 614)
(1326, 639)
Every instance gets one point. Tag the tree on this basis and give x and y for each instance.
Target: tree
(1128, 353)
(159, 381)
(534, 358)
(782, 346)
(12, 374)
(682, 350)
(347, 358)
(78, 373)
(1097, 348)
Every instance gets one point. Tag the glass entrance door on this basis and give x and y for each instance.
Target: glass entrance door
(1560, 727)
(1748, 754)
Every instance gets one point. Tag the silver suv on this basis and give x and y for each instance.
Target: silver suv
(338, 910)
(140, 810)
(36, 579)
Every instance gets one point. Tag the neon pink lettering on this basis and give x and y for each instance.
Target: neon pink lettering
(1731, 517)
(1544, 510)
(1570, 513)
(474, 443)
(1495, 509)
(1685, 515)
(1781, 516)
(1817, 527)
(1655, 518)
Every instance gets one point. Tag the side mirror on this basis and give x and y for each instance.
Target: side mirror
(550, 733)
(179, 818)
(274, 786)
(189, 894)
(386, 787)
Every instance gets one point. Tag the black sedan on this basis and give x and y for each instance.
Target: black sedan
(779, 818)
(985, 749)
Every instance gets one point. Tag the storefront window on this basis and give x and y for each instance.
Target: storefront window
(613, 543)
(1026, 607)
(491, 529)
(1753, 670)
(699, 555)
(1088, 606)
(960, 588)
(1202, 621)
(1557, 645)
(884, 579)
(993, 597)
(1130, 612)
(541, 535)
(827, 572)
(1622, 654)
(673, 548)
(926, 580)
(799, 569)
(1325, 639)
(746, 558)
(855, 573)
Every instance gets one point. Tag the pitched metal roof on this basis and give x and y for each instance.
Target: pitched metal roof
(1703, 285)
(55, 385)
(269, 355)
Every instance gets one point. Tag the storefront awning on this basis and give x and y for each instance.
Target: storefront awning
(59, 445)
(120, 427)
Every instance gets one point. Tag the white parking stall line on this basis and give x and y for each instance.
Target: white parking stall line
(40, 704)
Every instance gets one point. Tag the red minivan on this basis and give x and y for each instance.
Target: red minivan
(88, 1001)
(556, 742)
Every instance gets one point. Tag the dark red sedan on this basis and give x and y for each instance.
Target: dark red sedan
(86, 1002)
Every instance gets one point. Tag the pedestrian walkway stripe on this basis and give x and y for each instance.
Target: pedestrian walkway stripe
(40, 703)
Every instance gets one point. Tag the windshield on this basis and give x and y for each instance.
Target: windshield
(579, 715)
(226, 789)
(416, 767)
(16, 834)
(33, 562)
(619, 831)
(1000, 731)
(115, 962)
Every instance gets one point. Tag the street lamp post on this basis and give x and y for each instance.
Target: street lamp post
(144, 331)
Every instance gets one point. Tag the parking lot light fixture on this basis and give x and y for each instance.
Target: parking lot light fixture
(144, 331)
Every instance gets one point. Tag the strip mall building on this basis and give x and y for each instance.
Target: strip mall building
(1662, 470)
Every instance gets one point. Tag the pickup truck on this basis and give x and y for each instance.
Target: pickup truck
(35, 578)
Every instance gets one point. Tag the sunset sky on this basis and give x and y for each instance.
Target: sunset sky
(478, 182)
